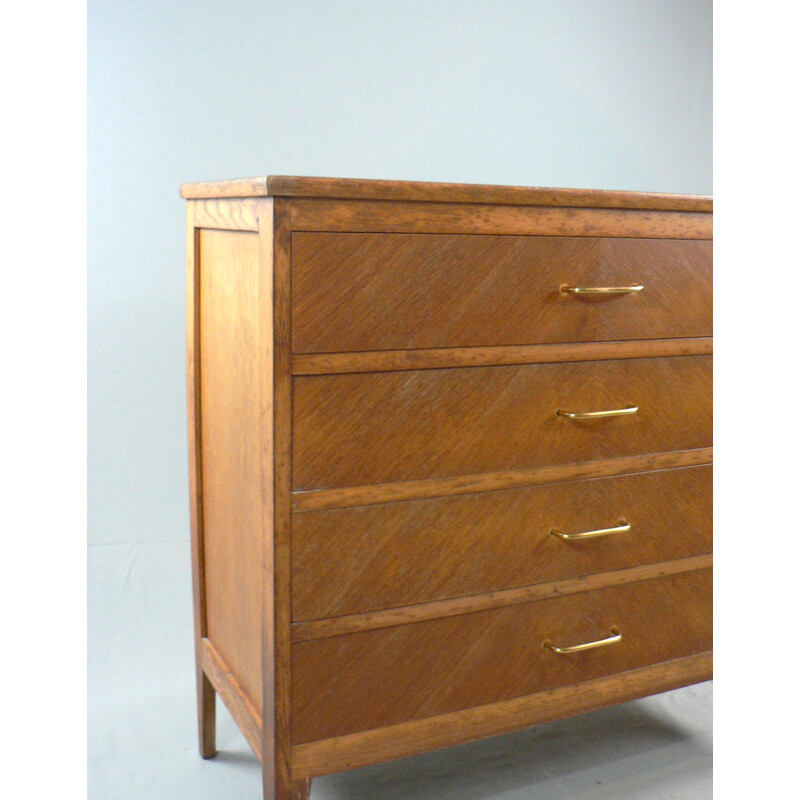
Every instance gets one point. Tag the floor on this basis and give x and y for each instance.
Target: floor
(142, 741)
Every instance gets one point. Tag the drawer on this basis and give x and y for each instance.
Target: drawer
(353, 560)
(395, 426)
(376, 291)
(371, 679)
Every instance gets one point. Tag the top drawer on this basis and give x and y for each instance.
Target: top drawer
(395, 291)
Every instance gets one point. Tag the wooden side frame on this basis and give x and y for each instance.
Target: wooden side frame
(276, 477)
(267, 733)
(227, 687)
(206, 697)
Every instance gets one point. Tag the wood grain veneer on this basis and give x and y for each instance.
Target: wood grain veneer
(437, 609)
(443, 730)
(350, 496)
(498, 290)
(229, 376)
(438, 423)
(398, 217)
(377, 678)
(373, 374)
(352, 560)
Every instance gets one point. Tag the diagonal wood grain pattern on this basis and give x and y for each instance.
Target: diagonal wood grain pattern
(467, 604)
(377, 678)
(352, 560)
(470, 724)
(362, 291)
(377, 462)
(368, 429)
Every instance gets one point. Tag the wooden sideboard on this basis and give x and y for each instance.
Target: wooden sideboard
(450, 460)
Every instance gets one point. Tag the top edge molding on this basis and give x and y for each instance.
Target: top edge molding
(418, 191)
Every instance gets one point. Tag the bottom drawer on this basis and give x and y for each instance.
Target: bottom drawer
(371, 679)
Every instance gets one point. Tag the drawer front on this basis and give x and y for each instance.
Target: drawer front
(383, 677)
(375, 291)
(376, 428)
(354, 560)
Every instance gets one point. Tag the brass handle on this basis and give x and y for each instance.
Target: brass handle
(623, 527)
(602, 289)
(616, 412)
(616, 636)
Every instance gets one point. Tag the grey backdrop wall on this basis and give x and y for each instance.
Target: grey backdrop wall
(574, 93)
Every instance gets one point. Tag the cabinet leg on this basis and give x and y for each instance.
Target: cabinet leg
(298, 790)
(301, 789)
(206, 715)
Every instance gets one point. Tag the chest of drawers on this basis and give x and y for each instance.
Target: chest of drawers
(450, 460)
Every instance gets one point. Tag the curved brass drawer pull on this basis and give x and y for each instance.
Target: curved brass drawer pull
(616, 636)
(616, 412)
(623, 527)
(602, 289)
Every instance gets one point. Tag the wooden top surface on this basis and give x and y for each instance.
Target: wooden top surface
(348, 189)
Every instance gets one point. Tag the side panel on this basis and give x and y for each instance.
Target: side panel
(228, 292)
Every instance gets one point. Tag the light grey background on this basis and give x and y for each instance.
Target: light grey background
(610, 94)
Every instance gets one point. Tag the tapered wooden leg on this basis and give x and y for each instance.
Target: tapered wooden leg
(206, 696)
(301, 789)
(206, 715)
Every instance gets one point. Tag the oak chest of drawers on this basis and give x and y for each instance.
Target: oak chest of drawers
(450, 453)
